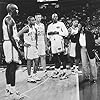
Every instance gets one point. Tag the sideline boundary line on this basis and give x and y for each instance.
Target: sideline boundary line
(35, 86)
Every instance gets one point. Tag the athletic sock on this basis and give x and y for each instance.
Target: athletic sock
(8, 87)
(13, 90)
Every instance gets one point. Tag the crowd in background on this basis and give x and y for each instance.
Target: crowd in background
(89, 18)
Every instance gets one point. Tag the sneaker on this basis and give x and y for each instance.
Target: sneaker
(31, 80)
(45, 74)
(16, 96)
(56, 74)
(64, 76)
(7, 92)
(35, 77)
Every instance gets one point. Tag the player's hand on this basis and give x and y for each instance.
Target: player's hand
(46, 47)
(20, 43)
(27, 45)
(50, 33)
(55, 32)
(21, 55)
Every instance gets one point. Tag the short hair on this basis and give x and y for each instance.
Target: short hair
(29, 17)
(38, 14)
(74, 19)
(54, 14)
(11, 7)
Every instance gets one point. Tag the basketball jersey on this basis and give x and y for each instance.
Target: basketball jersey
(40, 31)
(30, 37)
(5, 30)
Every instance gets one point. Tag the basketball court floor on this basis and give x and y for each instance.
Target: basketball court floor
(46, 89)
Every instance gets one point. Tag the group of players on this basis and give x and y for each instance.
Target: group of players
(35, 46)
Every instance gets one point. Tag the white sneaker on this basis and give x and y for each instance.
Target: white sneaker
(45, 73)
(31, 80)
(56, 74)
(64, 76)
(7, 92)
(35, 77)
(16, 96)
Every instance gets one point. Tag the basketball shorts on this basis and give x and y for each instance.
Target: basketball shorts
(10, 52)
(31, 52)
(41, 48)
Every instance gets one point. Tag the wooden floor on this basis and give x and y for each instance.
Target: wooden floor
(47, 89)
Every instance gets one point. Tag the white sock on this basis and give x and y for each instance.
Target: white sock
(8, 86)
(44, 71)
(33, 74)
(29, 76)
(13, 90)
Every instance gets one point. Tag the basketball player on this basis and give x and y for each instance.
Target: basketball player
(56, 32)
(41, 41)
(30, 48)
(11, 50)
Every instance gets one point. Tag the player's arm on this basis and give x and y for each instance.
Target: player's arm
(23, 30)
(45, 38)
(9, 22)
(49, 31)
(64, 30)
(36, 37)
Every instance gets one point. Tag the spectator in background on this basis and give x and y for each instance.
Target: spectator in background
(87, 43)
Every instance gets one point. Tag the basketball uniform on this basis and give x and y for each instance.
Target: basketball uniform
(40, 38)
(30, 52)
(10, 52)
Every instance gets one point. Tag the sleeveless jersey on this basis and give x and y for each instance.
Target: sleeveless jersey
(30, 37)
(40, 31)
(5, 31)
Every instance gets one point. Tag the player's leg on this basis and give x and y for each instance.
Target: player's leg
(8, 59)
(29, 71)
(64, 73)
(43, 64)
(35, 69)
(14, 94)
(57, 63)
(8, 84)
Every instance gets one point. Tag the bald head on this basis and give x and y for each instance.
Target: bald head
(12, 8)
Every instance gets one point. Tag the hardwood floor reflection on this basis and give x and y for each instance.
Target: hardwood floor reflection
(90, 91)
